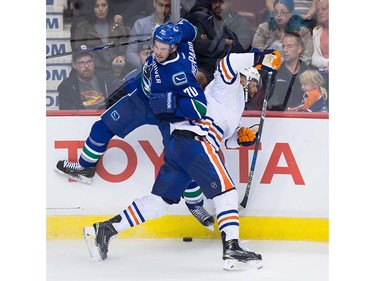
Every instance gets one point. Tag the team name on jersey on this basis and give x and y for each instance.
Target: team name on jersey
(156, 71)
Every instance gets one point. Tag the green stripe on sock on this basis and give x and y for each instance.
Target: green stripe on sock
(194, 194)
(90, 154)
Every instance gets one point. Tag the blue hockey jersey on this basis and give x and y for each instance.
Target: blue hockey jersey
(177, 75)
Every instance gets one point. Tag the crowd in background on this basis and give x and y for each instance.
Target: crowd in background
(298, 29)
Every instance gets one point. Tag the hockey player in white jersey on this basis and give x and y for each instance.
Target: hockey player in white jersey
(192, 154)
(225, 104)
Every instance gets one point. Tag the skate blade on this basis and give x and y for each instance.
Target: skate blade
(233, 264)
(78, 178)
(210, 227)
(89, 235)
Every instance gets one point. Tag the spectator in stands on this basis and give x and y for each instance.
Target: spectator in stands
(305, 8)
(320, 57)
(144, 51)
(283, 20)
(100, 29)
(214, 39)
(80, 13)
(186, 6)
(286, 88)
(238, 24)
(143, 28)
(130, 10)
(203, 6)
(315, 95)
(84, 88)
(255, 98)
(69, 11)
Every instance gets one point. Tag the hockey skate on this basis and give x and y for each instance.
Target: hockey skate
(97, 239)
(202, 216)
(237, 258)
(74, 171)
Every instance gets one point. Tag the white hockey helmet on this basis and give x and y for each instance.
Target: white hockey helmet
(250, 73)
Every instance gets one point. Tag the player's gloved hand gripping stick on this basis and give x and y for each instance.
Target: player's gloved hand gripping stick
(247, 136)
(268, 60)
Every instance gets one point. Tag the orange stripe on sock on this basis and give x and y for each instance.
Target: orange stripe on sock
(227, 218)
(133, 215)
(217, 163)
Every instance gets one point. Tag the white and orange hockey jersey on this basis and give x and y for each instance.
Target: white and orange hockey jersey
(225, 103)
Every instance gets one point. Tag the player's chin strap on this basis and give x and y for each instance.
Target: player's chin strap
(246, 89)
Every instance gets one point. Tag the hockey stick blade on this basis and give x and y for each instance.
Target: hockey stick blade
(243, 204)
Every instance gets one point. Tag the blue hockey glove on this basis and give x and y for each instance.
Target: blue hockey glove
(247, 136)
(162, 102)
(268, 60)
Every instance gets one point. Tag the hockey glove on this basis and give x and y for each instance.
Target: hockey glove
(162, 102)
(247, 136)
(268, 60)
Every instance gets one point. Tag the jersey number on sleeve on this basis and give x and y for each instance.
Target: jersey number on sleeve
(191, 91)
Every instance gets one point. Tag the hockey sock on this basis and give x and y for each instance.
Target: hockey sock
(95, 145)
(226, 208)
(193, 195)
(142, 209)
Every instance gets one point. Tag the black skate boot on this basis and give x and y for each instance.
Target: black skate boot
(74, 171)
(98, 237)
(235, 257)
(202, 216)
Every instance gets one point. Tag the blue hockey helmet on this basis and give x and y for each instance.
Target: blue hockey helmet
(168, 33)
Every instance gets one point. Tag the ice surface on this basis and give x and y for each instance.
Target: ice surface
(173, 259)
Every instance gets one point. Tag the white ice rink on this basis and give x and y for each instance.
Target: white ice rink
(172, 259)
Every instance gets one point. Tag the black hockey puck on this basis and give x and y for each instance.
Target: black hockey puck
(187, 239)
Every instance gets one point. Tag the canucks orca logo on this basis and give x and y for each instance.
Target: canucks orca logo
(146, 78)
(179, 78)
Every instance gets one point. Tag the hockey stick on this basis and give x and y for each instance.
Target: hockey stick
(243, 203)
(107, 46)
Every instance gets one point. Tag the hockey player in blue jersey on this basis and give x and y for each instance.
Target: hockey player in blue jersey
(166, 91)
(192, 154)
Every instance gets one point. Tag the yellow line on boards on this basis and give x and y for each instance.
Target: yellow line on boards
(257, 228)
